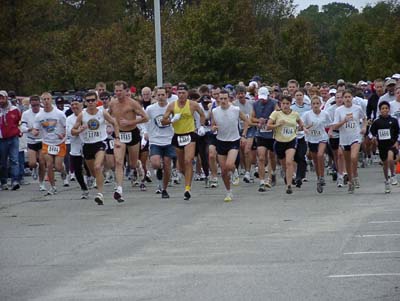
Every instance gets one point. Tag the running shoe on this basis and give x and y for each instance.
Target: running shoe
(214, 182)
(206, 182)
(197, 177)
(322, 180)
(356, 182)
(35, 174)
(52, 191)
(142, 187)
(159, 189)
(4, 187)
(261, 187)
(99, 199)
(186, 195)
(235, 178)
(387, 187)
(164, 194)
(85, 194)
(298, 182)
(393, 180)
(228, 197)
(351, 188)
(118, 195)
(345, 179)
(246, 177)
(147, 177)
(42, 187)
(72, 177)
(320, 188)
(289, 189)
(273, 179)
(66, 182)
(15, 186)
(268, 184)
(339, 182)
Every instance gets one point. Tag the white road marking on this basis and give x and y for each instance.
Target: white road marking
(377, 235)
(371, 252)
(363, 275)
(383, 222)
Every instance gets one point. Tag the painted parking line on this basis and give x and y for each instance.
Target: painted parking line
(364, 275)
(371, 252)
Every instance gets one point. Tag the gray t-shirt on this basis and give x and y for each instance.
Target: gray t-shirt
(158, 134)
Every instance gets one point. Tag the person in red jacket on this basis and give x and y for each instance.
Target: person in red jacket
(10, 118)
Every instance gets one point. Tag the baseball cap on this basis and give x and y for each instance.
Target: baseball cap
(182, 87)
(362, 83)
(332, 91)
(253, 83)
(12, 94)
(77, 98)
(59, 99)
(263, 93)
(341, 81)
(367, 92)
(3, 93)
(308, 84)
(396, 76)
(390, 82)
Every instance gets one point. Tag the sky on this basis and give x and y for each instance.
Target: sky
(303, 4)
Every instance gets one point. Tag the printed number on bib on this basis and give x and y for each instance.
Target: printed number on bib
(111, 143)
(157, 121)
(263, 129)
(315, 132)
(350, 125)
(92, 134)
(384, 134)
(287, 132)
(53, 149)
(125, 137)
(184, 140)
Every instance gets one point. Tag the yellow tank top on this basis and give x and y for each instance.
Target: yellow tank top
(186, 123)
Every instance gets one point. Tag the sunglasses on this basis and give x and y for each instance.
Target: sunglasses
(91, 100)
(104, 98)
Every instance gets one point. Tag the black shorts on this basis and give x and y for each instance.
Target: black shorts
(135, 137)
(313, 147)
(35, 146)
(223, 147)
(383, 152)
(90, 149)
(181, 140)
(145, 148)
(334, 143)
(109, 146)
(347, 148)
(280, 148)
(268, 143)
(212, 139)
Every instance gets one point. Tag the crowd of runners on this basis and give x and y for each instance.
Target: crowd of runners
(217, 135)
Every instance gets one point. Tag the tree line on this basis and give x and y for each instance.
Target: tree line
(72, 44)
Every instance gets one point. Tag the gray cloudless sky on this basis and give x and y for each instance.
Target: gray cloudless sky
(359, 4)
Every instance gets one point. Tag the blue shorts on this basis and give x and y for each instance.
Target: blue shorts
(162, 150)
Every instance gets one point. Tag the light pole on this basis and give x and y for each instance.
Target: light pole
(157, 26)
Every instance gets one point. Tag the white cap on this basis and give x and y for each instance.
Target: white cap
(253, 83)
(263, 93)
(3, 93)
(396, 76)
(362, 83)
(332, 91)
(340, 81)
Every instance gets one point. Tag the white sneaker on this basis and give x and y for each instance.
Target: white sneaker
(66, 182)
(35, 173)
(235, 178)
(387, 187)
(228, 197)
(52, 191)
(393, 180)
(42, 187)
(246, 177)
(197, 177)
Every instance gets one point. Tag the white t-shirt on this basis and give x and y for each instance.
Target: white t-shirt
(387, 97)
(76, 142)
(350, 131)
(51, 124)
(395, 109)
(331, 111)
(227, 121)
(158, 134)
(96, 130)
(28, 122)
(246, 109)
(173, 98)
(319, 122)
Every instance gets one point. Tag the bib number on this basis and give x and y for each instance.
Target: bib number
(53, 149)
(315, 132)
(111, 143)
(287, 132)
(350, 125)
(125, 137)
(92, 134)
(263, 129)
(184, 140)
(384, 134)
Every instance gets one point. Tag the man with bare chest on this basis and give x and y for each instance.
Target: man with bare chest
(128, 114)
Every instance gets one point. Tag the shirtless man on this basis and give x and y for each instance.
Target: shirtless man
(125, 110)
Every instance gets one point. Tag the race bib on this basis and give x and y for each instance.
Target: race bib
(315, 133)
(111, 143)
(350, 125)
(92, 134)
(53, 149)
(263, 129)
(384, 134)
(125, 137)
(157, 121)
(287, 131)
(184, 140)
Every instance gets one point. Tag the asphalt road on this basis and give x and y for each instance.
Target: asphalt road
(261, 246)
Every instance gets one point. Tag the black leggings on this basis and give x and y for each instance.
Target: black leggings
(300, 158)
(77, 163)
